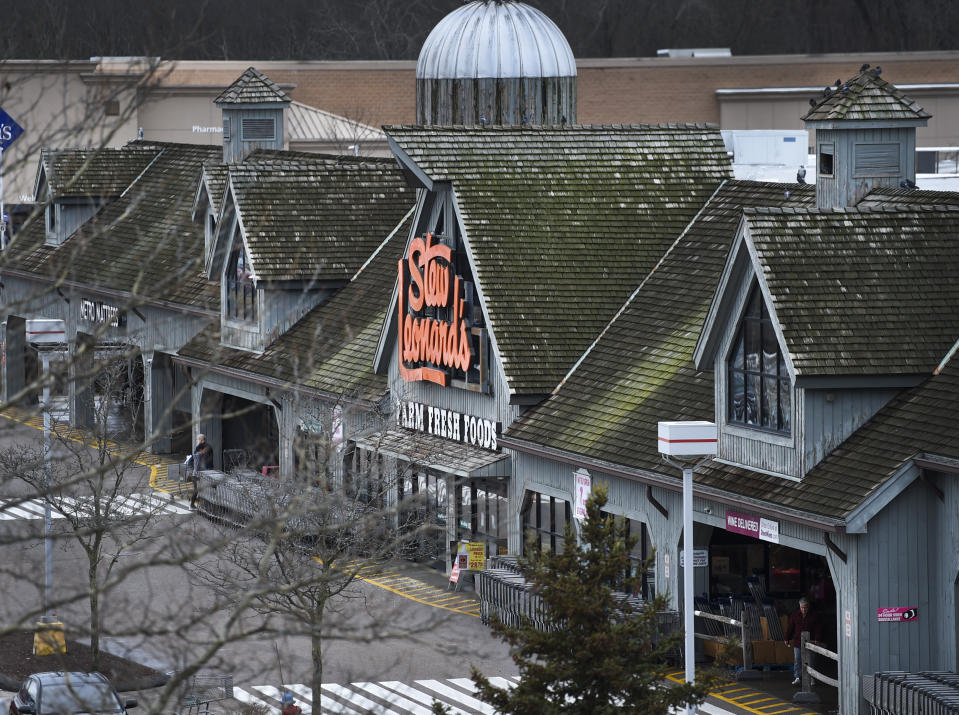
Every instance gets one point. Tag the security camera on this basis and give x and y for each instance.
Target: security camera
(707, 510)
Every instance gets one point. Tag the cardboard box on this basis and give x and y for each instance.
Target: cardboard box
(784, 653)
(713, 649)
(764, 624)
(764, 652)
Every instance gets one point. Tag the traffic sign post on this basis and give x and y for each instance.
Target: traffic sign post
(10, 131)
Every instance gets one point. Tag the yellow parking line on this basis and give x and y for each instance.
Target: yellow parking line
(151, 461)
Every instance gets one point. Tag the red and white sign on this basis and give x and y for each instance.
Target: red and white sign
(582, 487)
(455, 573)
(749, 525)
(847, 623)
(897, 614)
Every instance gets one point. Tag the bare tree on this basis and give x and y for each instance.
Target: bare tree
(90, 481)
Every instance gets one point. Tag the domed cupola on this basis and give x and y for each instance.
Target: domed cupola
(496, 62)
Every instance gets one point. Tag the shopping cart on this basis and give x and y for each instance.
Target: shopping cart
(202, 690)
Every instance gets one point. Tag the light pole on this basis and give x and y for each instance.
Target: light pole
(694, 442)
(47, 335)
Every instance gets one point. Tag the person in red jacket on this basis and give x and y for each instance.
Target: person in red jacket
(801, 620)
(289, 706)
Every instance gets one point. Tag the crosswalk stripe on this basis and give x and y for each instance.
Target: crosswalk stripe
(457, 696)
(418, 695)
(392, 698)
(128, 505)
(355, 698)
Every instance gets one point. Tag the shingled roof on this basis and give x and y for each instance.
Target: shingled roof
(253, 87)
(94, 173)
(299, 215)
(862, 291)
(563, 223)
(641, 370)
(145, 243)
(331, 348)
(865, 97)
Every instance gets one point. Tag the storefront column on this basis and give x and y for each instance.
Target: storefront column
(283, 410)
(843, 567)
(158, 401)
(14, 366)
(207, 419)
(82, 351)
(664, 533)
(451, 526)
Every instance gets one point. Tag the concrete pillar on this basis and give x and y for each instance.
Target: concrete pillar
(844, 578)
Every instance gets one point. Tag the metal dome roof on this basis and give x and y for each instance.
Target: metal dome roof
(492, 39)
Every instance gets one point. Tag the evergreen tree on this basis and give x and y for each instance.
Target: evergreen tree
(602, 655)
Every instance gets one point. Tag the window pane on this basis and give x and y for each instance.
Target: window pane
(770, 350)
(481, 509)
(785, 406)
(752, 399)
(559, 511)
(544, 517)
(737, 355)
(737, 400)
(752, 344)
(770, 402)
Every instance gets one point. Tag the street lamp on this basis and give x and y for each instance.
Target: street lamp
(47, 335)
(694, 442)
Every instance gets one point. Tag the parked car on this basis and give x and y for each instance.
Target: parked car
(68, 694)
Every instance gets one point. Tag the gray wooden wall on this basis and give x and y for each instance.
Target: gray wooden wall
(847, 185)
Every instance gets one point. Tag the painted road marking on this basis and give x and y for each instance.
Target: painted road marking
(132, 505)
(746, 698)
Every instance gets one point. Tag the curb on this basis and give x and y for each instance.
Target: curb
(143, 682)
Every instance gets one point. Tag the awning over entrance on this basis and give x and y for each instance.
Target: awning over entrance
(437, 453)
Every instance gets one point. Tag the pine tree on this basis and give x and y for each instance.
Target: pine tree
(602, 655)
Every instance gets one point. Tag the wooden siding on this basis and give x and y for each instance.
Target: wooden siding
(846, 186)
(235, 149)
(510, 101)
(898, 567)
(70, 216)
(830, 416)
(282, 308)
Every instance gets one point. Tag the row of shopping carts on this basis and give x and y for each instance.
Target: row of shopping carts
(900, 693)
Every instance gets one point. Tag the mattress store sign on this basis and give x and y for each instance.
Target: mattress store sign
(434, 332)
(447, 424)
(100, 313)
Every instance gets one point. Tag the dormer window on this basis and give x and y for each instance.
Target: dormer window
(240, 290)
(760, 394)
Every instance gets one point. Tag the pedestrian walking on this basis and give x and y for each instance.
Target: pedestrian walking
(289, 705)
(802, 619)
(202, 459)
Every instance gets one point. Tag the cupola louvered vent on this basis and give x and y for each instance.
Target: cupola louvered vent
(258, 129)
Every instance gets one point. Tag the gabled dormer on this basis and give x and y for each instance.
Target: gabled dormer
(804, 344)
(252, 109)
(865, 138)
(74, 184)
(287, 237)
(207, 204)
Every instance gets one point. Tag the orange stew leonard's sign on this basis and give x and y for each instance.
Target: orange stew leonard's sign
(431, 348)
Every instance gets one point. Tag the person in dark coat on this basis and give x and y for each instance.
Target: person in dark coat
(801, 620)
(202, 459)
